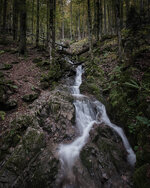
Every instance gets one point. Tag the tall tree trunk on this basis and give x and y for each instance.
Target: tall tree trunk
(90, 28)
(141, 6)
(22, 42)
(121, 14)
(97, 19)
(15, 19)
(54, 20)
(4, 14)
(63, 24)
(109, 19)
(71, 20)
(127, 8)
(101, 17)
(79, 31)
(47, 41)
(105, 26)
(118, 27)
(32, 19)
(52, 4)
(1, 9)
(37, 23)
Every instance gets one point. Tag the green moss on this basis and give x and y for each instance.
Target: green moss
(30, 97)
(37, 60)
(140, 177)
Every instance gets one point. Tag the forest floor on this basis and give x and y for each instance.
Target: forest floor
(22, 76)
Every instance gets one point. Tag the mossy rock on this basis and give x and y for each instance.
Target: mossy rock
(1, 74)
(13, 136)
(32, 143)
(2, 52)
(37, 60)
(141, 177)
(30, 97)
(7, 67)
(11, 104)
(44, 85)
(15, 62)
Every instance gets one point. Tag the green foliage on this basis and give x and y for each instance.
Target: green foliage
(143, 120)
(2, 115)
(2, 52)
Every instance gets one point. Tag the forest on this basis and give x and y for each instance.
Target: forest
(75, 93)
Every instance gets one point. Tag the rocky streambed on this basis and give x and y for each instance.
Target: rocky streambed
(29, 150)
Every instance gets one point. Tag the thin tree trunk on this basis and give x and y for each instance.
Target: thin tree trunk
(71, 20)
(79, 31)
(121, 14)
(37, 24)
(4, 14)
(109, 19)
(15, 19)
(22, 42)
(90, 28)
(97, 19)
(52, 4)
(1, 8)
(101, 17)
(105, 27)
(63, 24)
(32, 19)
(118, 28)
(47, 41)
(127, 8)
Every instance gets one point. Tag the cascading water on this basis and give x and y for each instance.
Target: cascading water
(87, 112)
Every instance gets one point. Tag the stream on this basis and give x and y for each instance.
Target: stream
(87, 113)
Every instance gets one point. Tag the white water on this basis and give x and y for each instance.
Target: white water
(87, 112)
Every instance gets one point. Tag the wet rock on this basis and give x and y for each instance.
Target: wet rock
(30, 97)
(104, 157)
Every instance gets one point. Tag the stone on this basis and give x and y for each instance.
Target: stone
(6, 66)
(30, 97)
(15, 62)
(44, 85)
(11, 104)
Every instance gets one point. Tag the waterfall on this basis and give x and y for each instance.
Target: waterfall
(86, 112)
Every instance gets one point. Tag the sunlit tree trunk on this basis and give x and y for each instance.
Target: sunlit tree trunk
(79, 31)
(37, 23)
(71, 20)
(22, 42)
